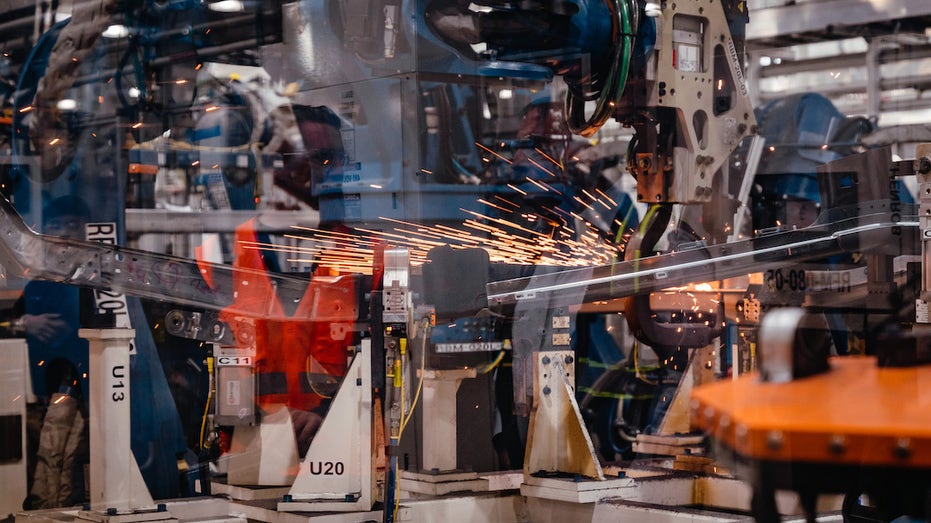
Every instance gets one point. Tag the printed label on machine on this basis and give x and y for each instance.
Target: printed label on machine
(234, 361)
(921, 311)
(108, 302)
(118, 383)
(327, 468)
(736, 66)
(475, 346)
(561, 338)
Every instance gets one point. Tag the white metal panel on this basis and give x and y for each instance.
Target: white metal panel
(14, 372)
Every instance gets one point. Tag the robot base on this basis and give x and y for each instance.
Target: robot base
(442, 483)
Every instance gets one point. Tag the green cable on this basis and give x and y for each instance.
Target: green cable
(617, 78)
(619, 237)
(642, 230)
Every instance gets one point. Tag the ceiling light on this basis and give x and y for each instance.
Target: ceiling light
(226, 6)
(116, 31)
(67, 104)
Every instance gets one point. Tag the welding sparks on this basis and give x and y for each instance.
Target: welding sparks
(538, 184)
(486, 149)
(493, 205)
(544, 169)
(548, 157)
(512, 239)
(507, 202)
(524, 193)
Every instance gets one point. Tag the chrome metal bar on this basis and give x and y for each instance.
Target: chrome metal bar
(156, 276)
(706, 263)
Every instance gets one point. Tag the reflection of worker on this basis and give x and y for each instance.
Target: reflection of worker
(323, 144)
(543, 122)
(58, 362)
(545, 119)
(297, 360)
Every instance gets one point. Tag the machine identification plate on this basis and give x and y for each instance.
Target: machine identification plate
(561, 338)
(108, 302)
(921, 311)
(474, 346)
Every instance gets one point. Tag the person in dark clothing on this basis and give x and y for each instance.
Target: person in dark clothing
(48, 314)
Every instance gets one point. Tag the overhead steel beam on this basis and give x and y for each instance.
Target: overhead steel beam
(821, 17)
(918, 82)
(835, 62)
(141, 221)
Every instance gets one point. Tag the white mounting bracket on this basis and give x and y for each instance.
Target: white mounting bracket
(558, 444)
(337, 475)
(117, 491)
(557, 440)
(440, 474)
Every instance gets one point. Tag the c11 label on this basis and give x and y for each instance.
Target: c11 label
(234, 361)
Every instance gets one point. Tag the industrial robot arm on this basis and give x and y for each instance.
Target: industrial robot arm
(672, 71)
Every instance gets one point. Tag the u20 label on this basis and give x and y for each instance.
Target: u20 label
(327, 468)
